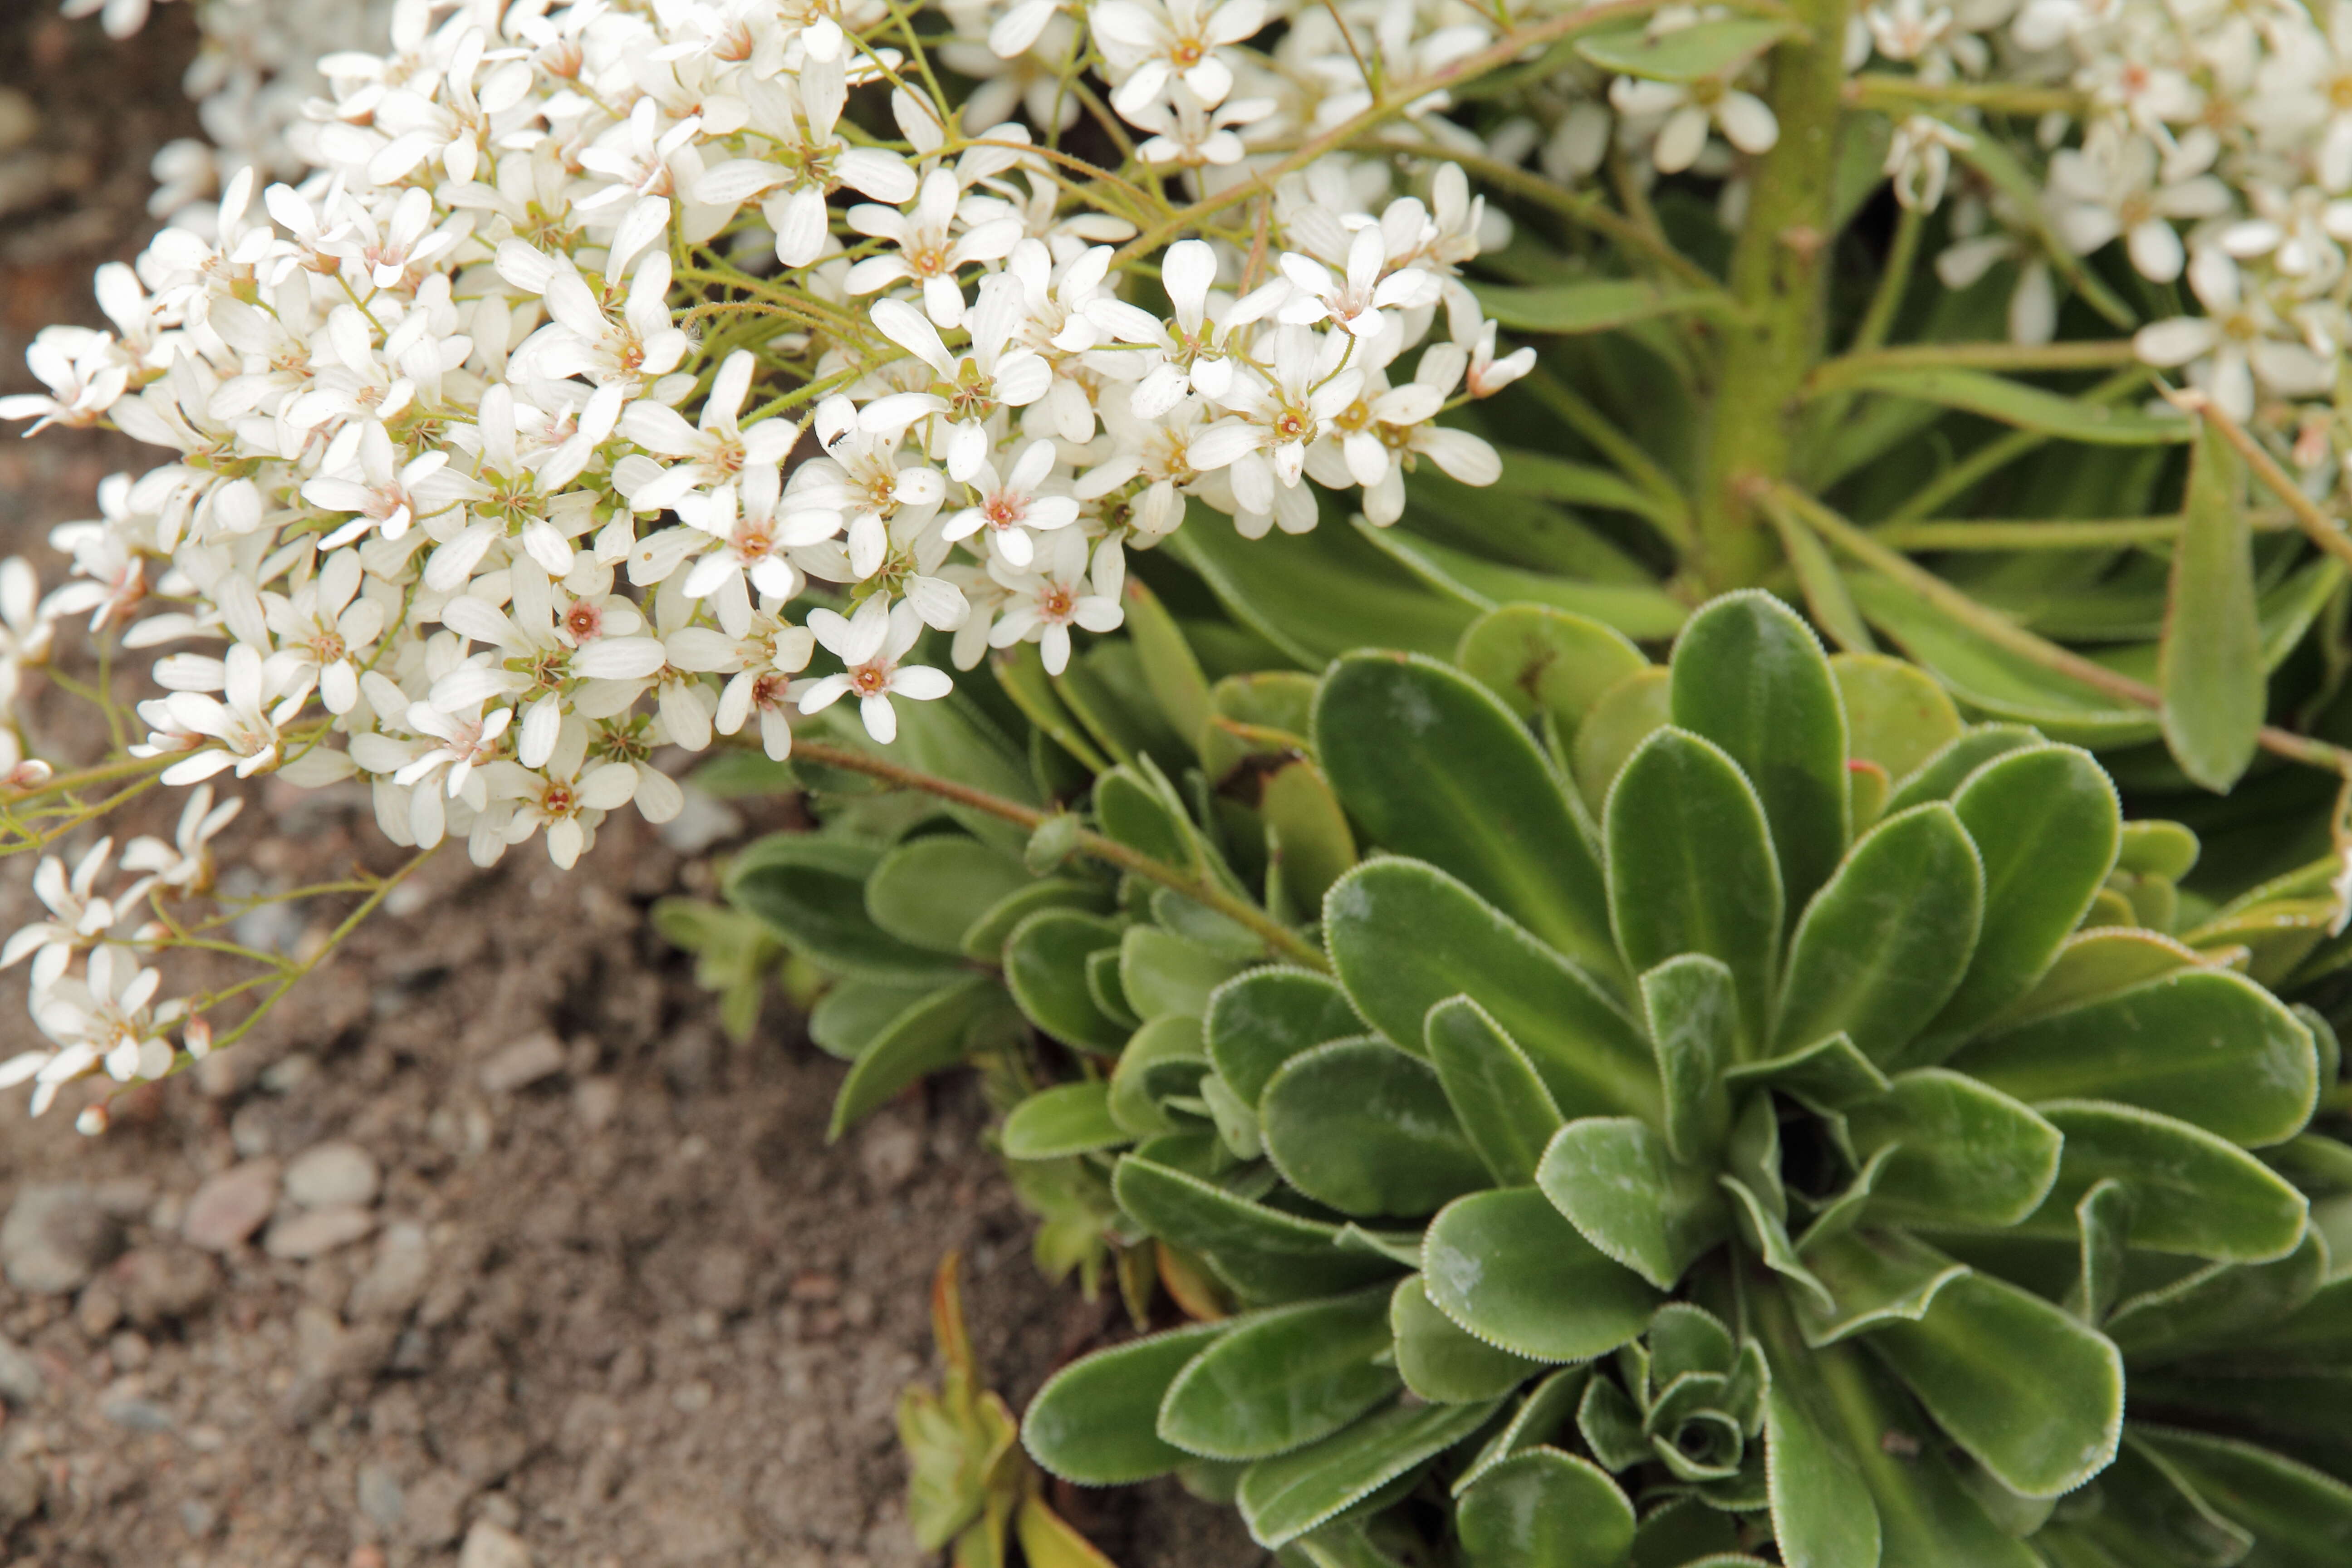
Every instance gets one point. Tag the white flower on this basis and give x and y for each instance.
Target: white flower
(1042, 605)
(27, 627)
(1354, 302)
(929, 250)
(1010, 507)
(972, 386)
(101, 1018)
(79, 914)
(240, 729)
(1685, 110)
(323, 626)
(752, 539)
(2117, 185)
(185, 865)
(2240, 343)
(871, 643)
(713, 452)
(585, 340)
(1152, 42)
(84, 375)
(565, 795)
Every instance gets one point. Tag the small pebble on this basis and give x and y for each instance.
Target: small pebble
(318, 1231)
(523, 1063)
(21, 1378)
(691, 1398)
(332, 1175)
(134, 1414)
(165, 1282)
(229, 1207)
(491, 1546)
(55, 1238)
(397, 1279)
(380, 1497)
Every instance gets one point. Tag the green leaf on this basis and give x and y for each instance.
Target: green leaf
(1964, 1153)
(1133, 811)
(1537, 660)
(1311, 832)
(2191, 1192)
(934, 1034)
(1103, 986)
(930, 891)
(1318, 594)
(1990, 678)
(1543, 1412)
(1168, 667)
(1070, 1119)
(2033, 1394)
(2044, 822)
(2209, 1048)
(1106, 689)
(1927, 1517)
(1692, 870)
(1895, 715)
(1442, 1363)
(1940, 776)
(2300, 1518)
(852, 1015)
(1165, 1058)
(1162, 974)
(1685, 54)
(954, 740)
(1265, 1255)
(1748, 676)
(1610, 1426)
(2103, 1234)
(1682, 1533)
(1434, 767)
(1693, 1026)
(1262, 714)
(1282, 1499)
(1822, 1513)
(1875, 1277)
(1365, 1129)
(2221, 1307)
(2015, 403)
(1260, 1020)
(984, 939)
(2150, 1513)
(1615, 724)
(1020, 672)
(1637, 609)
(1823, 584)
(1830, 1074)
(1096, 1422)
(1599, 305)
(2210, 669)
(2157, 849)
(1544, 1509)
(1045, 967)
(811, 890)
(1614, 1180)
(2099, 963)
(1504, 1107)
(1282, 1379)
(1405, 936)
(1888, 939)
(1505, 1267)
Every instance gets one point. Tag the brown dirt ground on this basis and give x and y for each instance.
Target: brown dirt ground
(636, 1311)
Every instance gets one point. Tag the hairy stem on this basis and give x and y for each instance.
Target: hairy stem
(1279, 938)
(1778, 273)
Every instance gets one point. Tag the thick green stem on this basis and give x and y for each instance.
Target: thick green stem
(1778, 273)
(1279, 938)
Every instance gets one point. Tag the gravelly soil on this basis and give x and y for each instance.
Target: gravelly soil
(632, 1311)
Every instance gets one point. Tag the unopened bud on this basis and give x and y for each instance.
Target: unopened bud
(30, 773)
(91, 1122)
(197, 1037)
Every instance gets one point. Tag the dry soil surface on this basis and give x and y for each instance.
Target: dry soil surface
(487, 1248)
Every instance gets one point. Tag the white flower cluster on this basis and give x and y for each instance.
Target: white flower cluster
(483, 482)
(2211, 142)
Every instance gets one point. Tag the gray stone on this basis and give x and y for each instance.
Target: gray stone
(332, 1175)
(21, 1379)
(317, 1231)
(396, 1280)
(491, 1546)
(430, 1516)
(56, 1237)
(20, 1493)
(380, 1497)
(165, 1282)
(134, 1414)
(891, 1150)
(229, 1207)
(523, 1063)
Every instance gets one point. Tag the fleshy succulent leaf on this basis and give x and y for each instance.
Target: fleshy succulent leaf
(1506, 1266)
(1693, 1014)
(1545, 1509)
(1442, 1364)
(1964, 1153)
(1627, 1196)
(1365, 1129)
(1260, 1020)
(1502, 1103)
(1466, 789)
(2191, 1192)
(1096, 1422)
(1281, 1499)
(1282, 1379)
(1267, 1255)
(1750, 676)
